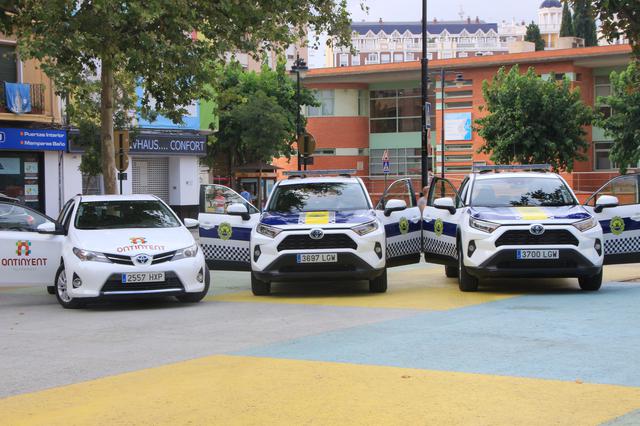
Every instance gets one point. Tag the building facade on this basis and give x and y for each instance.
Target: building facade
(366, 110)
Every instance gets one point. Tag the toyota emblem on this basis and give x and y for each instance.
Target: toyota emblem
(536, 229)
(316, 234)
(142, 259)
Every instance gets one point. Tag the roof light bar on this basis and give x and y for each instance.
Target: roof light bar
(546, 167)
(339, 172)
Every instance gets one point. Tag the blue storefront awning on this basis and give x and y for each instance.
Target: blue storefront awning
(33, 139)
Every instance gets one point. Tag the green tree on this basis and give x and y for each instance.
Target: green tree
(584, 23)
(257, 114)
(566, 28)
(532, 120)
(624, 123)
(619, 18)
(152, 40)
(533, 35)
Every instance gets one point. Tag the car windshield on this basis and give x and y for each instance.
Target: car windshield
(521, 192)
(326, 196)
(122, 214)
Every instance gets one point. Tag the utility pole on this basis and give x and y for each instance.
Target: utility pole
(424, 81)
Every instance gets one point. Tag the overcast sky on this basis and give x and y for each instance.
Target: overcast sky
(447, 10)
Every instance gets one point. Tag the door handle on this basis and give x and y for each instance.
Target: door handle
(428, 218)
(207, 226)
(636, 217)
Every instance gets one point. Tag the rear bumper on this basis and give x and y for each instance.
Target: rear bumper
(348, 267)
(504, 264)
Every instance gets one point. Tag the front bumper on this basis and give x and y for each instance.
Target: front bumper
(570, 263)
(104, 279)
(348, 267)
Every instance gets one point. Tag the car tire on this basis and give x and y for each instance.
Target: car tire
(196, 297)
(63, 297)
(592, 283)
(466, 282)
(379, 284)
(259, 287)
(451, 271)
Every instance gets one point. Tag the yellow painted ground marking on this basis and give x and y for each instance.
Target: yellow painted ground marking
(426, 289)
(532, 213)
(257, 391)
(316, 218)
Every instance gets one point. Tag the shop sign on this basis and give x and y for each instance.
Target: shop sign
(458, 126)
(33, 139)
(168, 144)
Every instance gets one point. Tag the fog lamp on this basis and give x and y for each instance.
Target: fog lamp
(256, 253)
(200, 276)
(378, 250)
(77, 282)
(472, 248)
(598, 247)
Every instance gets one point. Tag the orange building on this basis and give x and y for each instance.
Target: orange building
(366, 110)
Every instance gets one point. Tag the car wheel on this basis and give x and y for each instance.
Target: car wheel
(379, 284)
(259, 287)
(451, 271)
(196, 297)
(65, 300)
(592, 283)
(466, 282)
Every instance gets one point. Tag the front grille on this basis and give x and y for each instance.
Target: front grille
(114, 284)
(329, 241)
(522, 237)
(119, 259)
(163, 257)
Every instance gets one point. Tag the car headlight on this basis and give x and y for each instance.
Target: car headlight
(483, 225)
(585, 225)
(269, 231)
(90, 256)
(184, 253)
(366, 228)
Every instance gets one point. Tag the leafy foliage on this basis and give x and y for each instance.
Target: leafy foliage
(624, 123)
(618, 18)
(584, 23)
(155, 41)
(533, 121)
(566, 27)
(533, 35)
(257, 113)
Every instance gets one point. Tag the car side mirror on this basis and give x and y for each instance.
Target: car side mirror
(606, 202)
(191, 223)
(50, 228)
(445, 204)
(238, 209)
(394, 206)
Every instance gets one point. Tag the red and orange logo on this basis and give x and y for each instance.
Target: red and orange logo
(23, 248)
(138, 240)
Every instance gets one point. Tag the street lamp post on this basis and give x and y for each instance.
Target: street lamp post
(424, 80)
(299, 67)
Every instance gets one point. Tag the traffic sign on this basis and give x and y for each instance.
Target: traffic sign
(427, 115)
(121, 151)
(306, 144)
(385, 162)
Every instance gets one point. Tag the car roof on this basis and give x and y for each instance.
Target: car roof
(321, 179)
(136, 197)
(487, 176)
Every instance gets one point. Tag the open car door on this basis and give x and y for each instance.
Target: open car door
(27, 257)
(621, 223)
(440, 225)
(403, 226)
(225, 238)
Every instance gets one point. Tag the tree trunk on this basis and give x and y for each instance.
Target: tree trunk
(106, 128)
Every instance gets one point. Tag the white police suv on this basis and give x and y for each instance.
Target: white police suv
(317, 225)
(523, 221)
(102, 246)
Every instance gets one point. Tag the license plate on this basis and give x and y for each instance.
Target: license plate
(142, 277)
(537, 254)
(318, 258)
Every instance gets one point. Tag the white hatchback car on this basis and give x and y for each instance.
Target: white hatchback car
(319, 226)
(100, 247)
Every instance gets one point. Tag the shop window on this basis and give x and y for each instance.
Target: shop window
(8, 64)
(326, 99)
(22, 177)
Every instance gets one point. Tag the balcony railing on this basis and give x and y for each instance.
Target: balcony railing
(37, 99)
